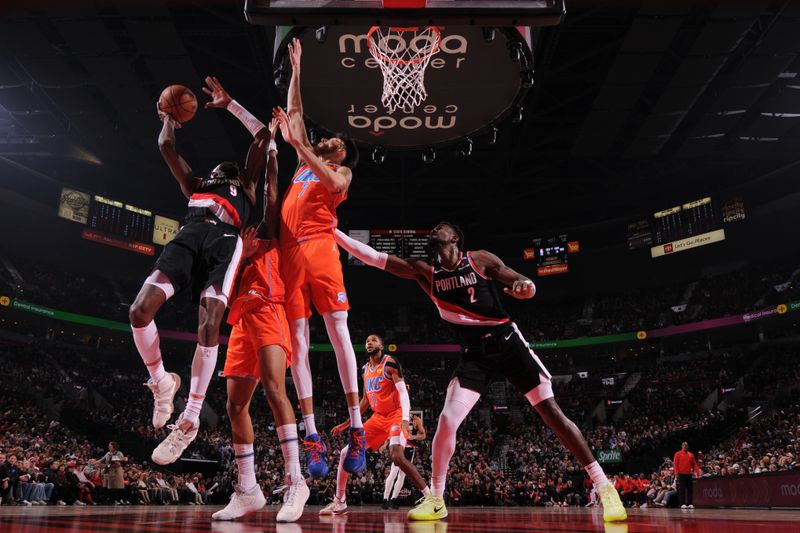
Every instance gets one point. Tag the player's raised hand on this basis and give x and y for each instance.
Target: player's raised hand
(273, 127)
(338, 430)
(249, 241)
(295, 53)
(219, 96)
(284, 124)
(521, 289)
(166, 118)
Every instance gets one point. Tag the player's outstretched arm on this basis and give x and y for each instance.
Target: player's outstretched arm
(294, 100)
(268, 228)
(518, 286)
(336, 181)
(256, 155)
(402, 268)
(177, 165)
(254, 164)
(221, 99)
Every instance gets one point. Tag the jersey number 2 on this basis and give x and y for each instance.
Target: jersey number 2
(471, 292)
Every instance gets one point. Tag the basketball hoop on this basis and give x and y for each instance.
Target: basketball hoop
(403, 55)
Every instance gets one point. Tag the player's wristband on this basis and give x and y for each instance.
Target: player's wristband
(250, 122)
(273, 146)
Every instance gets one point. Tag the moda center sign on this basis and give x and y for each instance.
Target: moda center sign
(778, 489)
(471, 83)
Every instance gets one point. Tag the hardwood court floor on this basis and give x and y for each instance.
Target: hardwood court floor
(369, 519)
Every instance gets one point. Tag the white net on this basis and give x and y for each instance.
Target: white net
(403, 55)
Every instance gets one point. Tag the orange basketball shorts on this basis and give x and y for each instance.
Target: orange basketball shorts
(263, 326)
(381, 427)
(312, 272)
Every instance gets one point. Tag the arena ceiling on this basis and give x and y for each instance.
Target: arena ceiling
(635, 105)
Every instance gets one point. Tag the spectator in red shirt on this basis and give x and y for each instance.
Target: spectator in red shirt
(685, 466)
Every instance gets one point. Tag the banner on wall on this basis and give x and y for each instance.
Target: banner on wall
(164, 230)
(781, 489)
(605, 457)
(74, 205)
(688, 243)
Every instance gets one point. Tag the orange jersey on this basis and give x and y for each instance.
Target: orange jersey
(309, 208)
(260, 283)
(379, 389)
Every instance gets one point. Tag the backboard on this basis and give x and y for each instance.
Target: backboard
(375, 12)
(477, 79)
(478, 74)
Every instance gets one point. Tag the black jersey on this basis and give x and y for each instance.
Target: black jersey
(466, 297)
(222, 197)
(412, 443)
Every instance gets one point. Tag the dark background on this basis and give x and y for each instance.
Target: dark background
(637, 106)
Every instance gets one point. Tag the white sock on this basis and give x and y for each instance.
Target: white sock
(355, 416)
(339, 335)
(426, 491)
(246, 464)
(147, 342)
(595, 472)
(310, 423)
(341, 476)
(203, 366)
(287, 435)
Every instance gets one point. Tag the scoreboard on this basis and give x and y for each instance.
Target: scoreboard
(116, 223)
(551, 255)
(687, 220)
(405, 243)
(122, 220)
(684, 226)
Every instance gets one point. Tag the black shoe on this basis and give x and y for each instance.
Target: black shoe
(385, 504)
(393, 503)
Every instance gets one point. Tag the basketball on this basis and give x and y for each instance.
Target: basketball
(179, 102)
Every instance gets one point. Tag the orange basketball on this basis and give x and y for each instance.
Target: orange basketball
(178, 102)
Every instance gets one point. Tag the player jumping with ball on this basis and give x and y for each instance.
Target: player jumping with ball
(204, 256)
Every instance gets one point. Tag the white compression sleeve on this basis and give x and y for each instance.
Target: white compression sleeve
(405, 402)
(362, 251)
(301, 368)
(250, 122)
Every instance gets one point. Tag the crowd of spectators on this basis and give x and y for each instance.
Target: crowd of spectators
(496, 464)
(42, 461)
(770, 443)
(48, 453)
(743, 290)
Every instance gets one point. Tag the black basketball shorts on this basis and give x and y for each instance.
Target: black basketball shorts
(409, 453)
(203, 253)
(502, 353)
